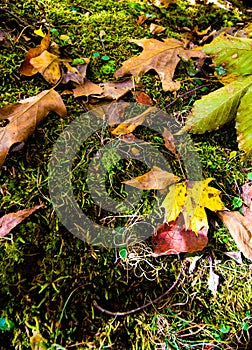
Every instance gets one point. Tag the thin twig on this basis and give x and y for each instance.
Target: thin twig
(16, 17)
(111, 313)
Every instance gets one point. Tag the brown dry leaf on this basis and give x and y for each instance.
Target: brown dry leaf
(162, 56)
(240, 228)
(169, 141)
(87, 88)
(173, 238)
(116, 89)
(9, 221)
(129, 125)
(141, 20)
(26, 67)
(156, 29)
(24, 116)
(75, 74)
(155, 179)
(48, 65)
(142, 98)
(163, 3)
(247, 199)
(204, 32)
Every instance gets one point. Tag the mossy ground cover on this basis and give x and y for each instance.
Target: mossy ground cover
(49, 278)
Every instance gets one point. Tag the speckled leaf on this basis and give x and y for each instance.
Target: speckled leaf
(243, 123)
(233, 53)
(217, 108)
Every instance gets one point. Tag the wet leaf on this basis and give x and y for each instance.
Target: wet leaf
(9, 221)
(173, 238)
(26, 67)
(162, 56)
(24, 116)
(155, 179)
(191, 198)
(240, 228)
(48, 65)
(218, 108)
(129, 125)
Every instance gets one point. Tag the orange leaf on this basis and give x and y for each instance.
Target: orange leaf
(26, 67)
(48, 65)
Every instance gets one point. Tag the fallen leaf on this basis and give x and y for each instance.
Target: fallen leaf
(48, 65)
(142, 98)
(24, 116)
(155, 179)
(156, 29)
(75, 74)
(213, 280)
(9, 221)
(169, 141)
(162, 3)
(129, 125)
(87, 88)
(39, 32)
(240, 228)
(191, 198)
(141, 19)
(26, 67)
(162, 56)
(218, 108)
(173, 238)
(115, 89)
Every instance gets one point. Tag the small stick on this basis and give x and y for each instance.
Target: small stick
(141, 307)
(16, 17)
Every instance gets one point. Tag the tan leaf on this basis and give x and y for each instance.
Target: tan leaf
(48, 65)
(241, 230)
(141, 20)
(129, 125)
(26, 67)
(24, 116)
(156, 29)
(155, 179)
(87, 88)
(115, 89)
(163, 3)
(162, 56)
(9, 221)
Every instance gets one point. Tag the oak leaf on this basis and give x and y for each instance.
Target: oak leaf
(24, 116)
(162, 56)
(155, 179)
(9, 221)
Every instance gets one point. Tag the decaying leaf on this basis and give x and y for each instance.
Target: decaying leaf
(244, 121)
(115, 89)
(173, 238)
(191, 198)
(218, 108)
(9, 221)
(26, 67)
(155, 179)
(48, 65)
(75, 75)
(234, 54)
(162, 56)
(142, 98)
(24, 116)
(129, 125)
(241, 230)
(87, 88)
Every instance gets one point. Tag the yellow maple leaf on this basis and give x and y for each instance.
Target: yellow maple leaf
(191, 198)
